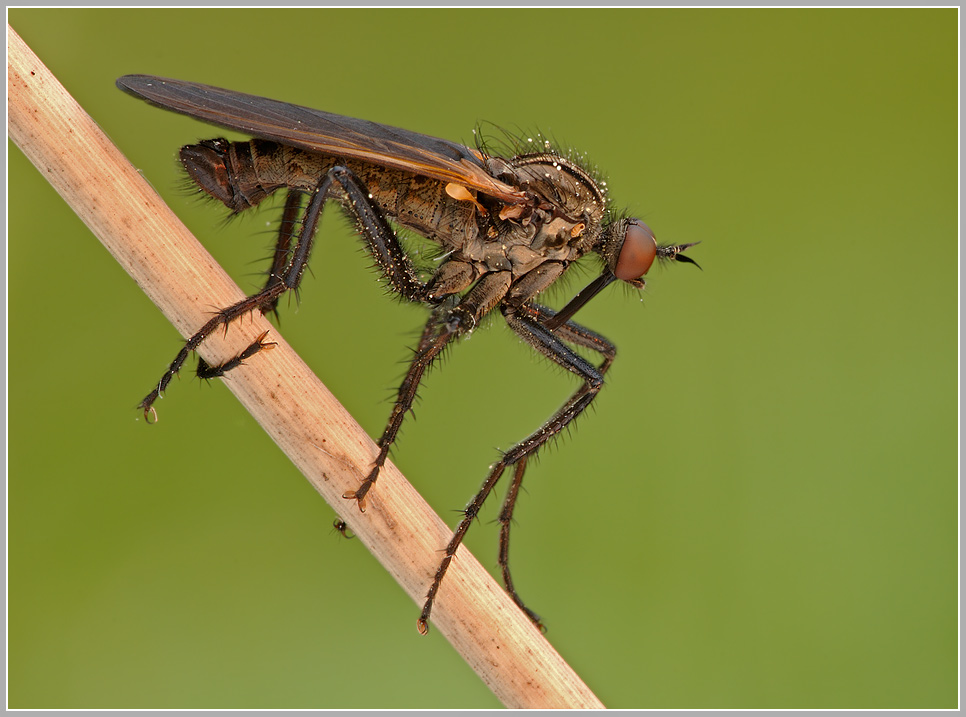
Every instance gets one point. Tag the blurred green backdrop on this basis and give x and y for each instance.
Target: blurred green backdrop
(760, 513)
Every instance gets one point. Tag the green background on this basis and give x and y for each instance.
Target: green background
(761, 511)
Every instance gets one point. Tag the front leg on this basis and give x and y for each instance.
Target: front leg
(526, 321)
(578, 335)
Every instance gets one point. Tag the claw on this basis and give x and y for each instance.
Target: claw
(361, 500)
(265, 345)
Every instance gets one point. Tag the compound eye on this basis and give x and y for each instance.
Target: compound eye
(637, 253)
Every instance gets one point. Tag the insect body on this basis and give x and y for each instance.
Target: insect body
(508, 228)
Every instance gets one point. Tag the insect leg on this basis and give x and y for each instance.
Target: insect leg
(506, 518)
(439, 331)
(575, 334)
(380, 239)
(264, 300)
(280, 259)
(286, 230)
(289, 264)
(526, 321)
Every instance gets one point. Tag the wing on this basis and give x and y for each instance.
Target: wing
(324, 132)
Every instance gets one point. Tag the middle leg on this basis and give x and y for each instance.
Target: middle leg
(438, 332)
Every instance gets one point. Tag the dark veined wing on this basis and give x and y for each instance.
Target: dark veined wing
(323, 132)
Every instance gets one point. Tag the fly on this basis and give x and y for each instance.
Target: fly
(507, 229)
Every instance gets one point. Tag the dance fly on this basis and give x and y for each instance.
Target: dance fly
(507, 228)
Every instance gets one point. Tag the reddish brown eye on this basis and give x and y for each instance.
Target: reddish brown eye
(637, 253)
